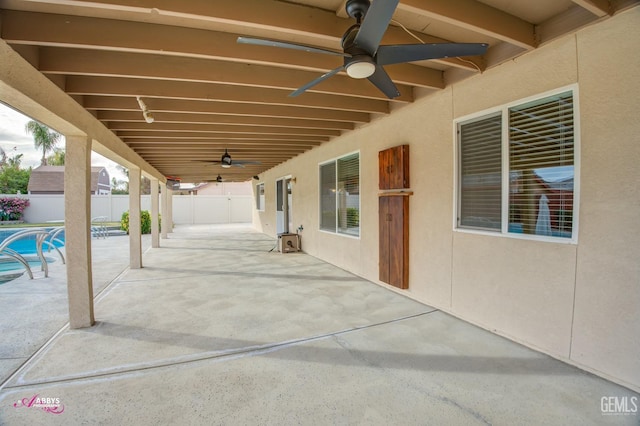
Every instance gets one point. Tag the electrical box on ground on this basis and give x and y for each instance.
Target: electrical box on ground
(288, 243)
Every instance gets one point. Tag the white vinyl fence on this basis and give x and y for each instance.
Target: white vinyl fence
(187, 209)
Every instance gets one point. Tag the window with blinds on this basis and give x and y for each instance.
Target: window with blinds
(340, 195)
(481, 174)
(328, 197)
(541, 169)
(530, 189)
(260, 196)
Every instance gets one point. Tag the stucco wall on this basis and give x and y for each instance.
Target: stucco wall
(577, 302)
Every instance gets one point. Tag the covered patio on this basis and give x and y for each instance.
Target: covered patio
(212, 327)
(284, 339)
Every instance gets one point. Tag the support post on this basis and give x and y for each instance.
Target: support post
(169, 210)
(77, 206)
(135, 234)
(165, 215)
(155, 232)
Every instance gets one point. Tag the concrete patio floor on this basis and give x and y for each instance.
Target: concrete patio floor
(216, 329)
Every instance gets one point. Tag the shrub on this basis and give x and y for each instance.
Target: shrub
(353, 216)
(145, 222)
(12, 208)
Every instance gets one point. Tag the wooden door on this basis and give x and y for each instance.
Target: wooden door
(384, 161)
(384, 222)
(393, 168)
(394, 239)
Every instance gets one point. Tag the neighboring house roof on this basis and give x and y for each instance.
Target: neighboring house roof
(50, 179)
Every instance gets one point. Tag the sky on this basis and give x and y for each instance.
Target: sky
(15, 140)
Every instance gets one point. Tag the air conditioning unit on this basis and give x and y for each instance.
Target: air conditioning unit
(288, 243)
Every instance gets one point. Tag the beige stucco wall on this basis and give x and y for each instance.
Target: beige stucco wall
(607, 315)
(577, 302)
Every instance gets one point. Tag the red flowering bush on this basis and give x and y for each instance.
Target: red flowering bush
(12, 208)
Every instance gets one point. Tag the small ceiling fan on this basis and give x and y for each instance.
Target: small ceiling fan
(226, 161)
(363, 55)
(218, 179)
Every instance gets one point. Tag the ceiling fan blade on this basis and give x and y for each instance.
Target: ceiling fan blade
(320, 79)
(273, 43)
(375, 25)
(242, 162)
(382, 81)
(401, 53)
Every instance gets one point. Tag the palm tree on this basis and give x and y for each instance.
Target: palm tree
(43, 138)
(57, 158)
(3, 158)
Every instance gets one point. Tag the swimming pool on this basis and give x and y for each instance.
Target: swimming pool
(26, 247)
(7, 265)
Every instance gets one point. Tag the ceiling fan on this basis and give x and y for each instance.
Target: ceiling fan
(363, 55)
(226, 161)
(218, 179)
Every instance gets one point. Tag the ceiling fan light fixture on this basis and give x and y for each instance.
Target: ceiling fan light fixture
(148, 117)
(225, 161)
(361, 68)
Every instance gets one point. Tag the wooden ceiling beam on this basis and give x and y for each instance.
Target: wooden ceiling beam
(169, 136)
(114, 86)
(189, 154)
(222, 108)
(172, 117)
(43, 29)
(221, 143)
(600, 8)
(159, 128)
(221, 146)
(161, 67)
(478, 17)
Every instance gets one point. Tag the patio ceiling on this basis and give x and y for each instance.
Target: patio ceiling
(208, 93)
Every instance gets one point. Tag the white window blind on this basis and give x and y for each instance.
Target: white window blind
(537, 171)
(328, 197)
(349, 195)
(541, 169)
(481, 174)
(340, 195)
(260, 196)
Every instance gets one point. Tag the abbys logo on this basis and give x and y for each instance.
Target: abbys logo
(619, 405)
(46, 404)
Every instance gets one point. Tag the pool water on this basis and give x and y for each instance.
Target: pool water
(27, 245)
(10, 268)
(11, 265)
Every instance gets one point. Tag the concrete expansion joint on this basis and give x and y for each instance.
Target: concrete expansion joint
(217, 356)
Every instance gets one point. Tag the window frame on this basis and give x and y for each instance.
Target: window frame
(505, 167)
(335, 161)
(260, 207)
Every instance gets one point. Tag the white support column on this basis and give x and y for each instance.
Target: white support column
(77, 206)
(169, 210)
(155, 232)
(164, 223)
(135, 234)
